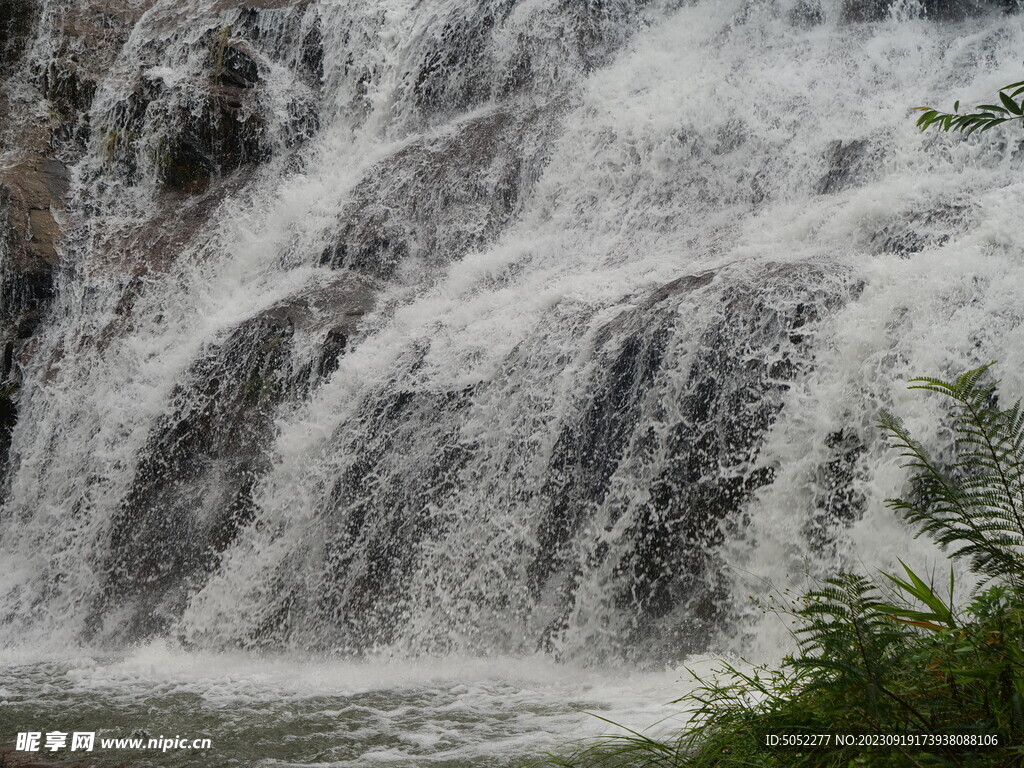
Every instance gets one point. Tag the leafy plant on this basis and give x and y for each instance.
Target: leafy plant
(986, 117)
(940, 616)
(975, 506)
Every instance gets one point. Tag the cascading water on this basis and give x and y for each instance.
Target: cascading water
(475, 328)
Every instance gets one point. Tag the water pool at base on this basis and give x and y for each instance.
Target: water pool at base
(271, 711)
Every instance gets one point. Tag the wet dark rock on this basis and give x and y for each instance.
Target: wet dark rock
(807, 13)
(312, 56)
(866, 10)
(8, 418)
(30, 193)
(176, 225)
(17, 21)
(591, 446)
(939, 10)
(221, 139)
(291, 43)
(846, 162)
(375, 519)
(739, 369)
(840, 502)
(332, 312)
(68, 89)
(32, 190)
(407, 454)
(599, 27)
(914, 231)
(193, 486)
(370, 556)
(91, 36)
(208, 128)
(334, 346)
(127, 120)
(458, 68)
(441, 197)
(444, 78)
(70, 92)
(237, 68)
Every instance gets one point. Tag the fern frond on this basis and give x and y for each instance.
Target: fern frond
(975, 506)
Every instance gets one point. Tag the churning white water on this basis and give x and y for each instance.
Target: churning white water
(279, 711)
(540, 333)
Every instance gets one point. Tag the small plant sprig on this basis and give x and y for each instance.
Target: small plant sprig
(986, 117)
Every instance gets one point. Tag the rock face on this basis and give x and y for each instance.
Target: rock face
(34, 188)
(193, 488)
(17, 18)
(437, 199)
(219, 128)
(31, 195)
(207, 126)
(215, 142)
(85, 46)
(222, 129)
(470, 62)
(375, 525)
(682, 401)
(703, 465)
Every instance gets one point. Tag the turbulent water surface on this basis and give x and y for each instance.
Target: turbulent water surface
(278, 711)
(346, 340)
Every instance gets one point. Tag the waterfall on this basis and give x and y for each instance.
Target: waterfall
(480, 326)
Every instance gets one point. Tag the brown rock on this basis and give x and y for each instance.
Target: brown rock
(31, 192)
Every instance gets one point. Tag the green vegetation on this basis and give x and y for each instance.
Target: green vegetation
(217, 48)
(891, 656)
(987, 115)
